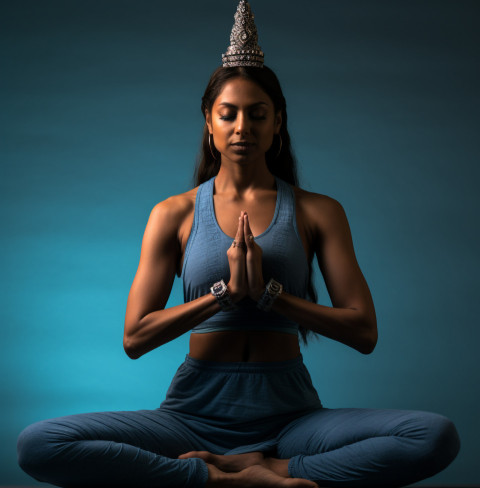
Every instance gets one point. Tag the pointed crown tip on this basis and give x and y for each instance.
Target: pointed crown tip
(244, 49)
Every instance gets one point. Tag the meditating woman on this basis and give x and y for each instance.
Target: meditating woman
(241, 409)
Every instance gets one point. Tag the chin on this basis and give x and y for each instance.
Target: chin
(249, 156)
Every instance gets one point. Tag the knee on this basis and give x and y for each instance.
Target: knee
(33, 446)
(442, 442)
(445, 442)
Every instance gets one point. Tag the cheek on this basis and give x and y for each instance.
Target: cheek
(267, 136)
(220, 128)
(220, 136)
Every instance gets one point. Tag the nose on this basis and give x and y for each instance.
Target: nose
(243, 125)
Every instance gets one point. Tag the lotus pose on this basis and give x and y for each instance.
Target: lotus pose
(241, 410)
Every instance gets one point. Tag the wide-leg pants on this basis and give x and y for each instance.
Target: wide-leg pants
(233, 408)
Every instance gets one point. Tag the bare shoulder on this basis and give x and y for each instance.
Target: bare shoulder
(172, 220)
(177, 205)
(176, 208)
(317, 211)
(311, 201)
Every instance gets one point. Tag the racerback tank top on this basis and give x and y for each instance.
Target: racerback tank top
(283, 258)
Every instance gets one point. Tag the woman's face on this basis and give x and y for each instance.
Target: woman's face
(243, 121)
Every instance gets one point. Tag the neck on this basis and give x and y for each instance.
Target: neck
(239, 179)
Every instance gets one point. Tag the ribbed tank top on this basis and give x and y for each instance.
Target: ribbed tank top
(283, 258)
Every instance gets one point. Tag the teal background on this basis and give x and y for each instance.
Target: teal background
(100, 120)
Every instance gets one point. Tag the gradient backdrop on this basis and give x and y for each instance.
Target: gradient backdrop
(101, 120)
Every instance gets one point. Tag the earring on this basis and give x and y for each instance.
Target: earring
(280, 148)
(210, 145)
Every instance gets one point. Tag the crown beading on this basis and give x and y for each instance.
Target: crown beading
(244, 49)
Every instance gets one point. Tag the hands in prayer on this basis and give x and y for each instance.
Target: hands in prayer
(245, 260)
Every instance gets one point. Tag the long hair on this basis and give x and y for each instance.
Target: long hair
(281, 164)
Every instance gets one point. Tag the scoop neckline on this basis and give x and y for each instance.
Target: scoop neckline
(277, 207)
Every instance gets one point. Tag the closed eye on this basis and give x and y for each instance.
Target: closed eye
(232, 117)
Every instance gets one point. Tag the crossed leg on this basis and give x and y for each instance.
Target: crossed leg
(133, 448)
(352, 447)
(130, 448)
(341, 447)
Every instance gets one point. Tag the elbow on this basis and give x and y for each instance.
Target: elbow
(129, 348)
(369, 340)
(367, 347)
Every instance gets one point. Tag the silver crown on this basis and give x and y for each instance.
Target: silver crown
(244, 49)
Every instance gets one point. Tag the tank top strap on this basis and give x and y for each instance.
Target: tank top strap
(202, 204)
(211, 235)
(285, 226)
(286, 201)
(203, 226)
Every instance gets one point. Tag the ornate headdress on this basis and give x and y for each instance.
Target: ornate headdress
(244, 49)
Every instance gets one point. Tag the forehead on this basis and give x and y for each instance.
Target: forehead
(240, 92)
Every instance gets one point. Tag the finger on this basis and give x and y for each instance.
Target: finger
(239, 234)
(248, 232)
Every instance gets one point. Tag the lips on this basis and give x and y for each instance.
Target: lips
(242, 144)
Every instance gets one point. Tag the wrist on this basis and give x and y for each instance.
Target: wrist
(235, 296)
(271, 293)
(257, 294)
(220, 291)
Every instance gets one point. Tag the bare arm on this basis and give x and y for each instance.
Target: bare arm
(148, 324)
(352, 319)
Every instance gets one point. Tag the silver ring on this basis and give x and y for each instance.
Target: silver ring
(239, 244)
(250, 237)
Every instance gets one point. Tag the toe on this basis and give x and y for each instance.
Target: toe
(196, 454)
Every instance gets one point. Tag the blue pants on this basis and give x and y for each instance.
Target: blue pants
(232, 408)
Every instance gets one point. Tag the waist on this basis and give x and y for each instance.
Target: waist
(244, 346)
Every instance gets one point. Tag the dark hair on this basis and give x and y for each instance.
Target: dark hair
(281, 164)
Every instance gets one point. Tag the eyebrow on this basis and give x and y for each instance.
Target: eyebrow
(231, 105)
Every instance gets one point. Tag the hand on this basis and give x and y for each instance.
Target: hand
(238, 285)
(256, 285)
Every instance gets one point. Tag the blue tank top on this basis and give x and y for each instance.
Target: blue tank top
(283, 258)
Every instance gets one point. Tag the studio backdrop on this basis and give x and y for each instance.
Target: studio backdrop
(100, 121)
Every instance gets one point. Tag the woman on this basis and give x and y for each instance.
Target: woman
(241, 410)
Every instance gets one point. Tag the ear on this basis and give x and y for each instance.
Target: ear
(208, 121)
(278, 121)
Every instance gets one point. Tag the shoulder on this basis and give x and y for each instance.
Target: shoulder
(312, 202)
(176, 205)
(170, 214)
(318, 212)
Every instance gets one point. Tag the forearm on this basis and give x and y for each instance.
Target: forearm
(346, 325)
(162, 326)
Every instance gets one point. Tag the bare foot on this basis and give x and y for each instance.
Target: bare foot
(231, 463)
(253, 477)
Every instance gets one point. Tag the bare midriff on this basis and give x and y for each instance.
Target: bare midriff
(245, 346)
